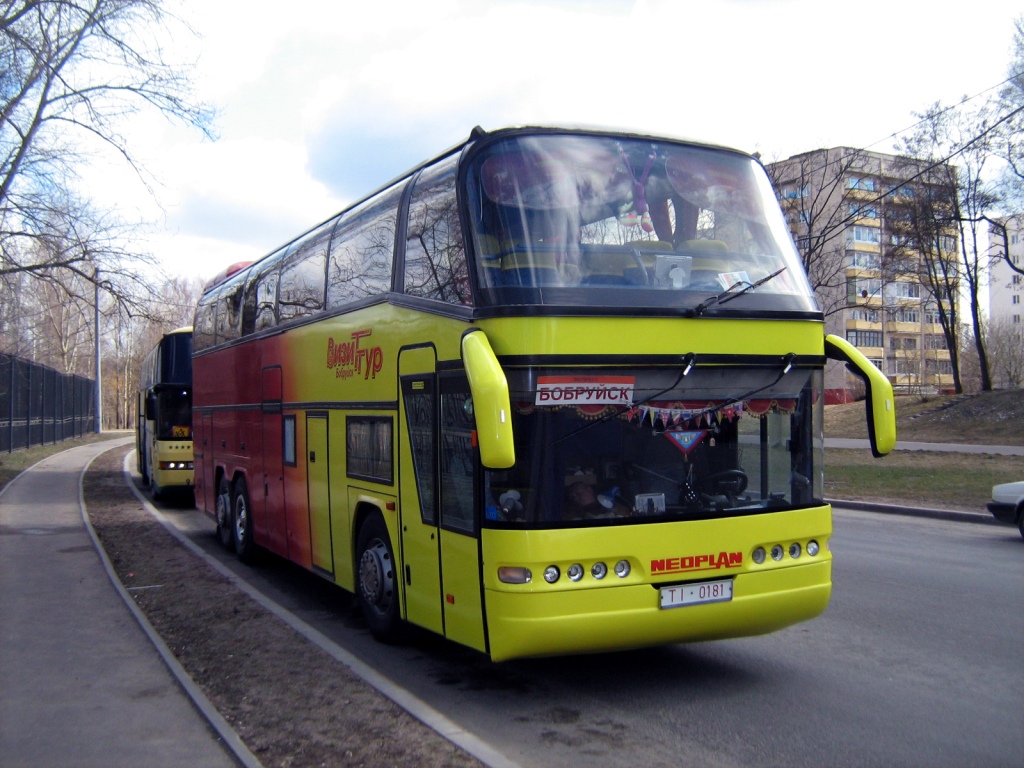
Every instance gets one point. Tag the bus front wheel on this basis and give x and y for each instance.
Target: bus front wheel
(241, 523)
(376, 591)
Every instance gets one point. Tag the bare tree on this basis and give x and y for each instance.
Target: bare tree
(70, 72)
(945, 222)
(817, 199)
(1006, 352)
(63, 327)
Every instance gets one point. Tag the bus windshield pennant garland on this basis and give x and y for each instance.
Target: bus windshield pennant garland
(686, 441)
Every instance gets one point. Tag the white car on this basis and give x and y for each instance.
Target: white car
(1007, 505)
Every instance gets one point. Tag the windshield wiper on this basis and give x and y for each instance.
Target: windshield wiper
(731, 293)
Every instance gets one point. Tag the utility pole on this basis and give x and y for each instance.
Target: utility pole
(96, 337)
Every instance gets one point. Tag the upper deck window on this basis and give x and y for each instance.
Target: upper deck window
(435, 255)
(604, 221)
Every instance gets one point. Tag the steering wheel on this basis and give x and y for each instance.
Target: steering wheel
(734, 481)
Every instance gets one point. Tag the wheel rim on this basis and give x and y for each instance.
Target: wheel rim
(376, 576)
(241, 519)
(222, 511)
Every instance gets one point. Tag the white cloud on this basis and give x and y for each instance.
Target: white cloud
(329, 100)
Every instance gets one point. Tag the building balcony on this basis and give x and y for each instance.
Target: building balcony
(863, 325)
(905, 328)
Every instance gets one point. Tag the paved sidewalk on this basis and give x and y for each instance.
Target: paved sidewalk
(998, 450)
(80, 683)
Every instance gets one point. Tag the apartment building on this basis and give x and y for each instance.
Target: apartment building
(1005, 285)
(1005, 338)
(856, 219)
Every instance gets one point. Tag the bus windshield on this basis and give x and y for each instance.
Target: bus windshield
(173, 413)
(566, 219)
(732, 442)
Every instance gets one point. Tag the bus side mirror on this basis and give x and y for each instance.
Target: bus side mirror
(491, 406)
(150, 407)
(881, 411)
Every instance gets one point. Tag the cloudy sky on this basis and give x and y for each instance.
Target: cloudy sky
(321, 101)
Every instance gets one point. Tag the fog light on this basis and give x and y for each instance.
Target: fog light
(599, 571)
(812, 548)
(794, 550)
(622, 569)
(758, 555)
(551, 574)
(575, 572)
(777, 552)
(514, 575)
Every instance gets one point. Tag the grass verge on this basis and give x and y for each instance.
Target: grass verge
(11, 464)
(919, 478)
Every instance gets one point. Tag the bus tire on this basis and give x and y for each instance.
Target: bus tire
(222, 512)
(376, 582)
(241, 522)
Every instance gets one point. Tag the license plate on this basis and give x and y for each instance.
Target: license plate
(696, 594)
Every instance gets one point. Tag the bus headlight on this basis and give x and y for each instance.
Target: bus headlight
(812, 548)
(599, 571)
(551, 574)
(575, 572)
(794, 550)
(777, 552)
(622, 569)
(514, 575)
(758, 555)
(175, 465)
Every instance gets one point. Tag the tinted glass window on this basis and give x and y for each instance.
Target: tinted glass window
(369, 448)
(435, 253)
(617, 222)
(260, 304)
(363, 250)
(419, 411)
(229, 314)
(202, 331)
(458, 457)
(301, 291)
(176, 365)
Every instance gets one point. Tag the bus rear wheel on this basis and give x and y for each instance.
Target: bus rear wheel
(241, 523)
(223, 514)
(376, 591)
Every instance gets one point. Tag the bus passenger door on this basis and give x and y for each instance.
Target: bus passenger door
(460, 544)
(417, 478)
(318, 474)
(268, 500)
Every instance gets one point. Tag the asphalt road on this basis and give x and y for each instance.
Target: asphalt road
(917, 661)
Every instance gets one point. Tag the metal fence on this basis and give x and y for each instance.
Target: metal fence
(38, 405)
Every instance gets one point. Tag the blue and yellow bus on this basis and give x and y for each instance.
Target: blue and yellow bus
(553, 391)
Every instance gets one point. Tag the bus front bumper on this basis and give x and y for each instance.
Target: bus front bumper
(524, 624)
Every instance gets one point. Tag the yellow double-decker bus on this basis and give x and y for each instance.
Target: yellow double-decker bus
(554, 391)
(163, 431)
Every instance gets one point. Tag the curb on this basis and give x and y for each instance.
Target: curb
(896, 509)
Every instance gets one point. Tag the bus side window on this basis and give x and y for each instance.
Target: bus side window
(259, 306)
(457, 460)
(301, 290)
(435, 252)
(229, 314)
(362, 251)
(204, 324)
